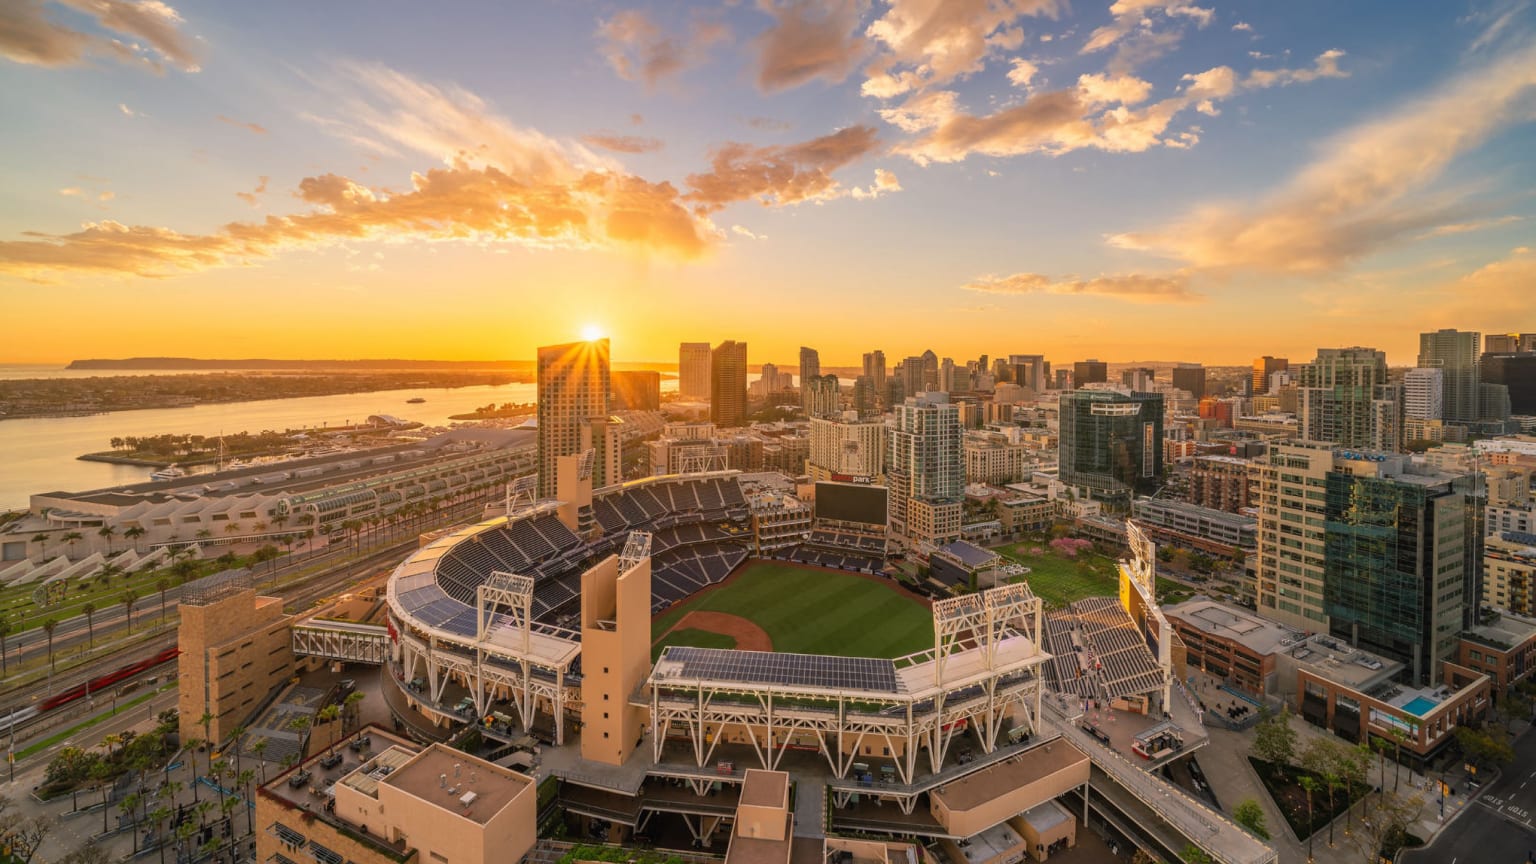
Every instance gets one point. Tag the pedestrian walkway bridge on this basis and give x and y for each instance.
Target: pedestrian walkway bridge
(341, 640)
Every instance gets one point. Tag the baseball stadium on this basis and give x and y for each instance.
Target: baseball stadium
(673, 652)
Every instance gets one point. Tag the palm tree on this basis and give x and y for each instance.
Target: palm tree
(1309, 783)
(192, 745)
(89, 610)
(244, 780)
(1399, 738)
(203, 533)
(70, 538)
(48, 627)
(163, 584)
(259, 747)
(1331, 779)
(184, 833)
(235, 735)
(206, 721)
(203, 808)
(128, 598)
(184, 570)
(134, 533)
(41, 539)
(159, 816)
(352, 701)
(107, 532)
(129, 807)
(328, 715)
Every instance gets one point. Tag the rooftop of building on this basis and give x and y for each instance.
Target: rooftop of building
(448, 778)
(310, 793)
(765, 788)
(1235, 520)
(990, 844)
(969, 553)
(997, 780)
(1333, 659)
(1235, 624)
(1504, 632)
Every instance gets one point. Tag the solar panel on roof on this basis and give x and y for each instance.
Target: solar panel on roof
(805, 670)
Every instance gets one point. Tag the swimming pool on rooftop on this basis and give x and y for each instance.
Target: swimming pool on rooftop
(1420, 705)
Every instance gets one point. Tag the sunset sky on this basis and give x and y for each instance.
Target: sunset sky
(1152, 179)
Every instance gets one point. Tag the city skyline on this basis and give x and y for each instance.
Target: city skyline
(1176, 181)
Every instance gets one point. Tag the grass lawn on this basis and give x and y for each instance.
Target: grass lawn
(807, 611)
(1060, 581)
(694, 638)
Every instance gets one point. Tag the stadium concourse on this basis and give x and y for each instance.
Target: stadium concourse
(536, 626)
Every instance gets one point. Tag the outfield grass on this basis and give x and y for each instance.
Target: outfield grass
(808, 611)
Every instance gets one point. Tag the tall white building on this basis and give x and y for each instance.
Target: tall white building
(847, 450)
(927, 477)
(1455, 353)
(693, 370)
(1422, 394)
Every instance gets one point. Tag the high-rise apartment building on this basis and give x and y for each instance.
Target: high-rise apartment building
(1190, 377)
(927, 479)
(573, 387)
(693, 370)
(930, 370)
(1089, 372)
(1111, 443)
(1422, 391)
(1367, 546)
(810, 364)
(1509, 343)
(949, 376)
(1139, 378)
(1265, 366)
(847, 450)
(1220, 483)
(821, 395)
(1345, 399)
(910, 371)
(1394, 561)
(864, 398)
(728, 384)
(874, 370)
(1454, 352)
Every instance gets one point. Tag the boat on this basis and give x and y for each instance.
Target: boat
(416, 401)
(169, 472)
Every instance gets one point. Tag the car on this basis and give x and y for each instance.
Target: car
(330, 760)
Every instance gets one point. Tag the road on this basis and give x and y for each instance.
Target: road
(1498, 828)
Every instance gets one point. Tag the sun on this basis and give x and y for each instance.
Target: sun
(591, 332)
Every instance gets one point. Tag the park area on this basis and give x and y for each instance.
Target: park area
(1062, 572)
(773, 606)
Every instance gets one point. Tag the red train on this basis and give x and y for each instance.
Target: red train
(101, 683)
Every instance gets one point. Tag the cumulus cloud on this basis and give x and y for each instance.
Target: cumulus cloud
(622, 143)
(457, 203)
(743, 231)
(249, 127)
(1365, 191)
(808, 40)
(127, 112)
(1242, 27)
(1128, 16)
(779, 175)
(929, 43)
(138, 32)
(1021, 72)
(639, 50)
(1061, 121)
(885, 182)
(1135, 287)
(253, 197)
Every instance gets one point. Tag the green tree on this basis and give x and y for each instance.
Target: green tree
(107, 532)
(134, 533)
(354, 699)
(1274, 741)
(5, 630)
(329, 715)
(41, 540)
(1250, 815)
(71, 539)
(128, 598)
(163, 584)
(259, 747)
(49, 626)
(1193, 854)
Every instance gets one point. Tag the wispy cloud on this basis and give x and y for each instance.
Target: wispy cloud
(138, 32)
(253, 197)
(638, 49)
(1366, 190)
(257, 128)
(622, 143)
(1136, 287)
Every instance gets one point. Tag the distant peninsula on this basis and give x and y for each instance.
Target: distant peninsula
(197, 364)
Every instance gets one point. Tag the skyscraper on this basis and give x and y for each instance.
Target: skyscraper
(693, 370)
(1263, 367)
(1454, 352)
(821, 396)
(912, 376)
(1138, 378)
(1344, 398)
(926, 472)
(1089, 372)
(864, 398)
(572, 397)
(1393, 573)
(930, 370)
(728, 384)
(874, 369)
(1029, 370)
(1422, 391)
(1509, 343)
(1190, 377)
(1111, 443)
(810, 364)
(1517, 372)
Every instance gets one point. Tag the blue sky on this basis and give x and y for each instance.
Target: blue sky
(1144, 179)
